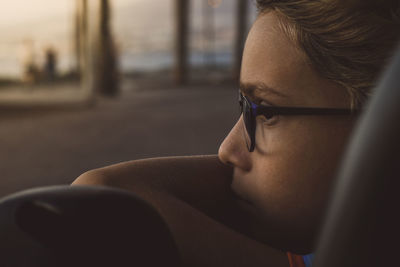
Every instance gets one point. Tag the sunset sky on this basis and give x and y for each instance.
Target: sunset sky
(22, 10)
(47, 22)
(143, 31)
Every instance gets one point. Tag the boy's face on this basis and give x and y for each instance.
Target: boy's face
(287, 178)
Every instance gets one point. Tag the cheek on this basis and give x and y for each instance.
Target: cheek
(292, 180)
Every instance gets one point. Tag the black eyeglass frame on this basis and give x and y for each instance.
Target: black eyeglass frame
(251, 110)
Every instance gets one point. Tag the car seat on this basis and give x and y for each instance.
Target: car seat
(363, 222)
(82, 226)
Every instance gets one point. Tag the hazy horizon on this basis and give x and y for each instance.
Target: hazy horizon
(143, 42)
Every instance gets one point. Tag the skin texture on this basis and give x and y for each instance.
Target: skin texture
(233, 213)
(288, 176)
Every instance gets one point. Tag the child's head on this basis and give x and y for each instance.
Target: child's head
(302, 54)
(346, 41)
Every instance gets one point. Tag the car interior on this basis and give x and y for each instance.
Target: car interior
(40, 226)
(71, 226)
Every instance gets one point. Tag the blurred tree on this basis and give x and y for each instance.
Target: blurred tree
(80, 20)
(181, 41)
(106, 70)
(241, 26)
(77, 37)
(209, 33)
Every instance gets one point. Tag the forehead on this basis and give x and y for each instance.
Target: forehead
(272, 59)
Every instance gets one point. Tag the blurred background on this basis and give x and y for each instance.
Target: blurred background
(85, 84)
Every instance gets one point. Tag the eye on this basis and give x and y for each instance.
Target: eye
(268, 119)
(269, 115)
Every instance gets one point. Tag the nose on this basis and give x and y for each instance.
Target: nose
(233, 150)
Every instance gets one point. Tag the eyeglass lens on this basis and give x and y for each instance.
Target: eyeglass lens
(249, 123)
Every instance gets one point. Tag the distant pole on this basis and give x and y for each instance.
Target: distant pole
(107, 80)
(80, 34)
(181, 41)
(84, 29)
(77, 36)
(241, 27)
(209, 34)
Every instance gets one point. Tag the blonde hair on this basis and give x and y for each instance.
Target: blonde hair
(347, 41)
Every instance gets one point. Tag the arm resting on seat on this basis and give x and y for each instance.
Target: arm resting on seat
(193, 195)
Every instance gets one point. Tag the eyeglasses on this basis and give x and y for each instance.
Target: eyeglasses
(251, 110)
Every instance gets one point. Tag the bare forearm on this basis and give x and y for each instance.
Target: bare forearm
(177, 174)
(194, 197)
(201, 181)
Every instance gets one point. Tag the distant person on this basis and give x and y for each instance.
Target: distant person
(31, 71)
(50, 64)
(308, 68)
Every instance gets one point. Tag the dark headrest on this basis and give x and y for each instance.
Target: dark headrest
(362, 225)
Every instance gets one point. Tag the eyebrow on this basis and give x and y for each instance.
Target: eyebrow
(250, 89)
